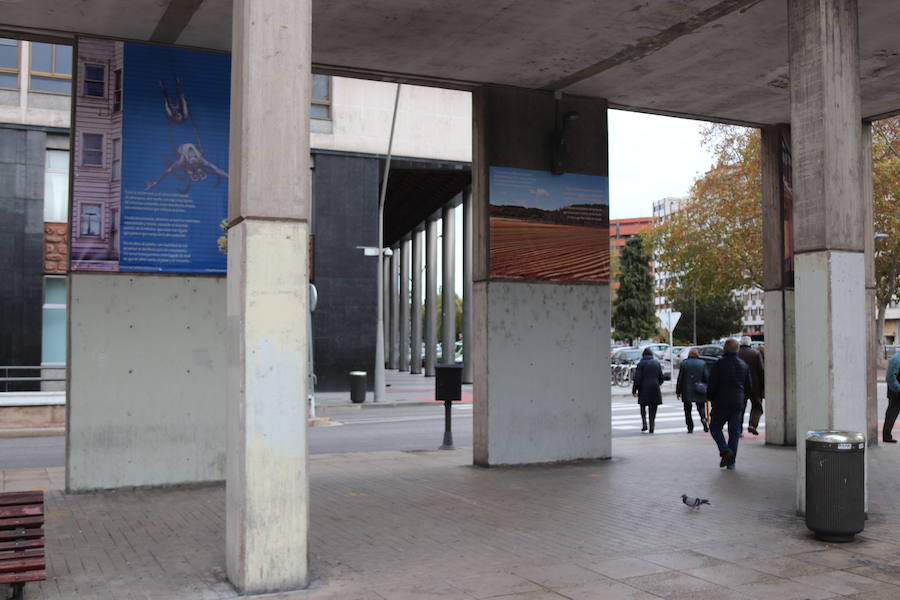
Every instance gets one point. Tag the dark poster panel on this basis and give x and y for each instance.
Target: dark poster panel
(787, 212)
(150, 185)
(547, 227)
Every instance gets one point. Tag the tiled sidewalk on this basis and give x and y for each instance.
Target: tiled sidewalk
(428, 525)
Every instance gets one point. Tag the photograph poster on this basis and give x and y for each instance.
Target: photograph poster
(547, 227)
(150, 187)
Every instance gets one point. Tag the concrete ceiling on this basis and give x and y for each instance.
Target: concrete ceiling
(714, 59)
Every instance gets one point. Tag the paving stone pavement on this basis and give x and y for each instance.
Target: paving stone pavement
(429, 525)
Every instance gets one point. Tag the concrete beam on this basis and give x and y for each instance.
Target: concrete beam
(404, 305)
(448, 283)
(430, 296)
(415, 365)
(468, 357)
(393, 283)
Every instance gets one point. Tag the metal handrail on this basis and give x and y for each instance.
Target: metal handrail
(5, 381)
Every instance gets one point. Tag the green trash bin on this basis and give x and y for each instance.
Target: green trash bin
(835, 484)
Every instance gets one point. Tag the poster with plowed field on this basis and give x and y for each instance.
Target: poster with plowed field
(547, 227)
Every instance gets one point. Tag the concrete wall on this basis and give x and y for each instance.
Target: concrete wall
(345, 216)
(431, 122)
(547, 355)
(22, 155)
(147, 357)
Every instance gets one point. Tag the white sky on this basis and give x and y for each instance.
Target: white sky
(651, 157)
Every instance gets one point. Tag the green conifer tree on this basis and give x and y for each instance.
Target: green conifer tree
(633, 313)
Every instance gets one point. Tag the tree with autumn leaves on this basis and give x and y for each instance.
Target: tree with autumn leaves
(714, 243)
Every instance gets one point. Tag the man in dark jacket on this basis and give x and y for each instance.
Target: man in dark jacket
(691, 388)
(648, 376)
(729, 385)
(757, 378)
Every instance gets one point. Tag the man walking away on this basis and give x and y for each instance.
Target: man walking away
(729, 385)
(648, 376)
(757, 378)
(691, 388)
(892, 378)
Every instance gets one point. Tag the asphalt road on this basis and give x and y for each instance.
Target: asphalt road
(374, 429)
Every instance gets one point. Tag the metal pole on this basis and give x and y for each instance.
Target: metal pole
(379, 329)
(467, 286)
(448, 272)
(694, 301)
(430, 296)
(448, 429)
(415, 366)
(404, 304)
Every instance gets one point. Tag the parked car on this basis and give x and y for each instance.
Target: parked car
(710, 353)
(679, 354)
(659, 350)
(633, 355)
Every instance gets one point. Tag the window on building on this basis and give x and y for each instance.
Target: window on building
(92, 149)
(56, 186)
(53, 347)
(117, 159)
(51, 68)
(91, 223)
(94, 81)
(321, 98)
(117, 90)
(9, 63)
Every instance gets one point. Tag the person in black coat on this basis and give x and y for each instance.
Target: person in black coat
(691, 388)
(754, 360)
(729, 386)
(648, 376)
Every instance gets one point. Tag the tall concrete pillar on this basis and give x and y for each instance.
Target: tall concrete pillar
(386, 308)
(467, 286)
(404, 305)
(541, 299)
(778, 283)
(448, 282)
(430, 296)
(873, 344)
(267, 492)
(415, 365)
(393, 282)
(829, 221)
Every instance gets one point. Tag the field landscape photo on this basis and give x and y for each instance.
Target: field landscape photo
(548, 227)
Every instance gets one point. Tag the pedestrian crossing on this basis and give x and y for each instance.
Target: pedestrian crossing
(626, 416)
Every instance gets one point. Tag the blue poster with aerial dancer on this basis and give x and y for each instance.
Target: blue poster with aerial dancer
(174, 159)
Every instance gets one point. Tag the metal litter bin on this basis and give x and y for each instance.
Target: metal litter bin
(835, 475)
(357, 387)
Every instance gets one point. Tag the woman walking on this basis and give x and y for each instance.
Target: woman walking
(648, 376)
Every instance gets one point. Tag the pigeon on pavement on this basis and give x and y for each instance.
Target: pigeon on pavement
(694, 503)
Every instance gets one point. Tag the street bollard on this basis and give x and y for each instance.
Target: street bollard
(448, 387)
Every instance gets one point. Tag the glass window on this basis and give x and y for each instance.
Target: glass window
(51, 68)
(117, 90)
(9, 63)
(56, 187)
(90, 219)
(53, 347)
(321, 97)
(95, 81)
(92, 150)
(117, 159)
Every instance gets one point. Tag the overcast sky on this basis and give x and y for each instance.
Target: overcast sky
(651, 157)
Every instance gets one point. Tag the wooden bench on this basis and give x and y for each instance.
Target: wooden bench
(21, 540)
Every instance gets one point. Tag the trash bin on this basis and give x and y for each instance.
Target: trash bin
(357, 387)
(835, 475)
(448, 383)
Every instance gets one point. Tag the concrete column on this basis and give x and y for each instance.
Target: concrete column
(778, 283)
(467, 286)
(415, 365)
(541, 344)
(267, 492)
(430, 296)
(404, 305)
(873, 344)
(448, 281)
(829, 221)
(386, 308)
(394, 284)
